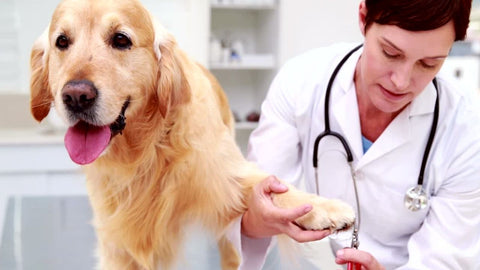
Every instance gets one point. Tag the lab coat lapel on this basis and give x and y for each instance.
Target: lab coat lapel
(344, 106)
(399, 132)
(396, 134)
(345, 112)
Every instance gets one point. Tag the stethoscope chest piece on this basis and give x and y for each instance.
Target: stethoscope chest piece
(416, 198)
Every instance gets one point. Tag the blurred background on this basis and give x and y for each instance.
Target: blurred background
(44, 211)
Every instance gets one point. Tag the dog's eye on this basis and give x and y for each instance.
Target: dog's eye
(62, 42)
(121, 42)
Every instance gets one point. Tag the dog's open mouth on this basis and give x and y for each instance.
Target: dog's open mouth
(86, 142)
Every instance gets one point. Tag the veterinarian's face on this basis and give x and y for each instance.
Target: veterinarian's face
(396, 64)
(102, 49)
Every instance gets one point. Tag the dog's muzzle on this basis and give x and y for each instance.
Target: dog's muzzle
(86, 141)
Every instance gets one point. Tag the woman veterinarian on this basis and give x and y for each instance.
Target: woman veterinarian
(395, 113)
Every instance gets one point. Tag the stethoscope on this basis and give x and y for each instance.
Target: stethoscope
(415, 198)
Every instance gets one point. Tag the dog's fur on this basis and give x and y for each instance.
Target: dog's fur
(176, 161)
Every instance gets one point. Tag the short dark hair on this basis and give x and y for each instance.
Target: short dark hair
(420, 15)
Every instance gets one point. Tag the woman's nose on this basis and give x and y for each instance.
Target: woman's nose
(402, 76)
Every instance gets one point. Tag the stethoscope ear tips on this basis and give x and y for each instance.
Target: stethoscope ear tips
(416, 198)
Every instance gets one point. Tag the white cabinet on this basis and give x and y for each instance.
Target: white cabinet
(243, 54)
(35, 164)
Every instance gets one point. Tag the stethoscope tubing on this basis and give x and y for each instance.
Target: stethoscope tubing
(433, 130)
(328, 131)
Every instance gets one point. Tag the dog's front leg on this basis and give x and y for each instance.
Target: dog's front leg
(229, 258)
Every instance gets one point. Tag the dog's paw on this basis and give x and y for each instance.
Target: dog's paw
(327, 214)
(333, 215)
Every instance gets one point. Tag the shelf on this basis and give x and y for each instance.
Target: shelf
(239, 6)
(246, 125)
(243, 55)
(248, 62)
(239, 66)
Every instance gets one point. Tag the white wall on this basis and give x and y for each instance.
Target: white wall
(25, 20)
(307, 24)
(304, 24)
(187, 20)
(29, 18)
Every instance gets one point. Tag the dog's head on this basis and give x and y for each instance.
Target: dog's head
(98, 63)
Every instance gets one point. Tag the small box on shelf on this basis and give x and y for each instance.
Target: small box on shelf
(247, 61)
(243, 4)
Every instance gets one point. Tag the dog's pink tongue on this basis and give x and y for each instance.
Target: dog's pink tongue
(85, 142)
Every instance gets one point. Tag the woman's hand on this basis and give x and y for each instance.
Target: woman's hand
(365, 259)
(264, 219)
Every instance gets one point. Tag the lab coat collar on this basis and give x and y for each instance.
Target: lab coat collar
(345, 76)
(399, 131)
(424, 103)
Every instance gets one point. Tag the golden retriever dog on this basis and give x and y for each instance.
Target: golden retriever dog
(154, 132)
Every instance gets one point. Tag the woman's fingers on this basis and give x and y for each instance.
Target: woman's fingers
(285, 218)
(264, 219)
(272, 185)
(302, 236)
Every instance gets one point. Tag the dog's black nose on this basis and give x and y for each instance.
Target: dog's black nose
(79, 96)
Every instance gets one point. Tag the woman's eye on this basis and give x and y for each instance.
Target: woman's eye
(62, 42)
(121, 42)
(390, 54)
(427, 65)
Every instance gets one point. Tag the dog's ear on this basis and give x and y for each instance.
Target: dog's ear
(40, 95)
(173, 88)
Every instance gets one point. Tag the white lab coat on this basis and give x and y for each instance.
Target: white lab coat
(445, 235)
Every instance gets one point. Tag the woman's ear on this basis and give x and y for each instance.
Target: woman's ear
(40, 95)
(362, 15)
(173, 88)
